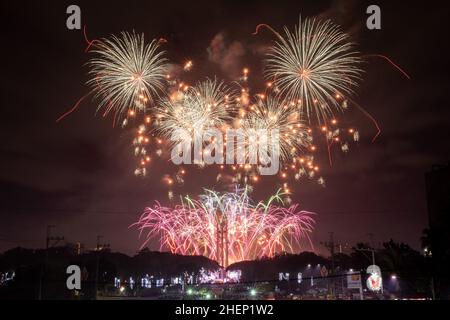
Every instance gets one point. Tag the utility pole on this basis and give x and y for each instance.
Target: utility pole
(371, 240)
(48, 243)
(330, 245)
(371, 248)
(99, 248)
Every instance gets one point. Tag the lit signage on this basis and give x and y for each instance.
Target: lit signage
(375, 281)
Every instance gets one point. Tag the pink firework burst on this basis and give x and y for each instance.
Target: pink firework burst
(228, 228)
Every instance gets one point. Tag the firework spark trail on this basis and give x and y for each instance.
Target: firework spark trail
(124, 69)
(251, 231)
(330, 159)
(396, 66)
(74, 108)
(312, 65)
(89, 43)
(367, 114)
(261, 25)
(392, 63)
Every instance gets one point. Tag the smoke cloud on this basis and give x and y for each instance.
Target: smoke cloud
(226, 55)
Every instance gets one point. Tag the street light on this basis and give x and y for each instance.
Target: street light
(253, 292)
(394, 277)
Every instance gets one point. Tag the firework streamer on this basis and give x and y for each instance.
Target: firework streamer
(246, 231)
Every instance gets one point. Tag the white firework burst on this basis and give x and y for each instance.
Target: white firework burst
(314, 66)
(126, 73)
(272, 114)
(200, 108)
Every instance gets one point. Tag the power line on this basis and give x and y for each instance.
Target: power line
(110, 212)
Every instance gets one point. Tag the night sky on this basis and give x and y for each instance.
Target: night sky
(78, 174)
